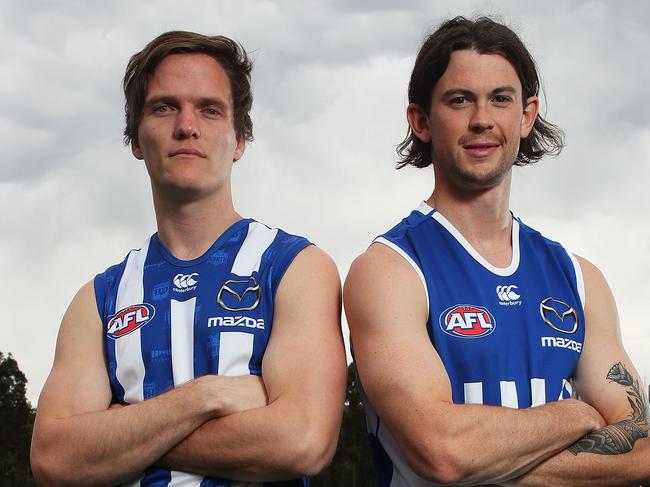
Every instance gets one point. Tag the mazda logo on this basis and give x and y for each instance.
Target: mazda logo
(559, 315)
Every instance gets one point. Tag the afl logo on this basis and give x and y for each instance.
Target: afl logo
(129, 319)
(467, 321)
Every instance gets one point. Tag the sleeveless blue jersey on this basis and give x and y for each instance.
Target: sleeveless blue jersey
(167, 321)
(507, 336)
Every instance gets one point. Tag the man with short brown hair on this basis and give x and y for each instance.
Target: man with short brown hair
(211, 356)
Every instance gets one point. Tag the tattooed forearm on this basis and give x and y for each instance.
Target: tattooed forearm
(619, 437)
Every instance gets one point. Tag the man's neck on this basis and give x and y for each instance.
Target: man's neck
(189, 228)
(483, 218)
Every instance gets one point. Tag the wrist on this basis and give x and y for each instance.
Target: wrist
(587, 416)
(202, 393)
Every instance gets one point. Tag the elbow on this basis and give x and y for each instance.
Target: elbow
(440, 471)
(442, 463)
(312, 450)
(44, 468)
(51, 467)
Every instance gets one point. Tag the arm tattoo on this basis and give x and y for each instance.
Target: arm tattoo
(620, 437)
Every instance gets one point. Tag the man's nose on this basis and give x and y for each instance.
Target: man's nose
(187, 125)
(481, 118)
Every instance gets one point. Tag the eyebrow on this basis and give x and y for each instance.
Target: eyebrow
(469, 93)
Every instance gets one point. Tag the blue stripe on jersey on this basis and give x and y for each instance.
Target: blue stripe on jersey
(210, 315)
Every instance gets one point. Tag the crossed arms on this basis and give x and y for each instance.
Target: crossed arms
(241, 428)
(467, 444)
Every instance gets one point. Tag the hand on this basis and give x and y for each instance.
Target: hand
(599, 421)
(592, 418)
(233, 394)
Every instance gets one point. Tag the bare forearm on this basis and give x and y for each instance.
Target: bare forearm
(264, 444)
(110, 446)
(618, 454)
(504, 443)
(589, 470)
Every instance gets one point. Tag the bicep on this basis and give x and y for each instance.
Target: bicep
(606, 376)
(386, 307)
(78, 381)
(304, 363)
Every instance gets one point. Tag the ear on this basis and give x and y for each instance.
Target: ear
(135, 150)
(418, 120)
(531, 109)
(239, 150)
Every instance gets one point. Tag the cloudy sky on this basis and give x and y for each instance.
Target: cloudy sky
(330, 83)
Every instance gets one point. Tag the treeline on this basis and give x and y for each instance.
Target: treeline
(16, 422)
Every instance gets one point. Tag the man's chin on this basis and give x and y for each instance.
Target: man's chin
(477, 180)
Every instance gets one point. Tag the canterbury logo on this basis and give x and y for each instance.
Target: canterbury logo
(239, 294)
(559, 315)
(185, 281)
(507, 293)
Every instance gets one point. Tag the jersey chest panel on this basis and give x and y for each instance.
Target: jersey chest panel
(511, 340)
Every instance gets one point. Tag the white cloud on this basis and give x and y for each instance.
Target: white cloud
(330, 90)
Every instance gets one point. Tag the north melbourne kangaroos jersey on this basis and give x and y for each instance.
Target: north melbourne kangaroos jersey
(507, 336)
(167, 321)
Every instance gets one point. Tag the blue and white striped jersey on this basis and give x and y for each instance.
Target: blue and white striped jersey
(167, 321)
(507, 336)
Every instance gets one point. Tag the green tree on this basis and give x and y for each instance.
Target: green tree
(16, 422)
(352, 464)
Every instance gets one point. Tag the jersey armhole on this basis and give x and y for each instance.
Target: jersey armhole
(99, 286)
(408, 259)
(580, 283)
(289, 255)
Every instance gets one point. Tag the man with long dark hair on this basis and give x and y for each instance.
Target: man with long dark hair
(470, 329)
(211, 356)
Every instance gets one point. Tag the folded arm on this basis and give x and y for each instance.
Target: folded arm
(304, 373)
(78, 440)
(619, 453)
(406, 382)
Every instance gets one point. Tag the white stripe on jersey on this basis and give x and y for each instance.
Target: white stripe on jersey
(182, 335)
(569, 388)
(128, 351)
(473, 392)
(129, 366)
(235, 352)
(538, 392)
(182, 338)
(248, 259)
(183, 479)
(509, 394)
(579, 279)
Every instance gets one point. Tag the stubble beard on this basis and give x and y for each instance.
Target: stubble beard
(470, 178)
(477, 179)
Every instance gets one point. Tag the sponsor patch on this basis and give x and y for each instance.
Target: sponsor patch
(559, 315)
(239, 294)
(243, 321)
(508, 295)
(467, 321)
(129, 319)
(559, 342)
(185, 282)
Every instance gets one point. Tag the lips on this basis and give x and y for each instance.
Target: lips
(186, 151)
(481, 149)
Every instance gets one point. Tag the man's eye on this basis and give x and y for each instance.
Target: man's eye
(458, 100)
(212, 112)
(501, 99)
(161, 108)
